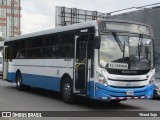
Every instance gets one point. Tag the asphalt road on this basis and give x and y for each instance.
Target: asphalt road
(43, 100)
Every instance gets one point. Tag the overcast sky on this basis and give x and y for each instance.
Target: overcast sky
(39, 15)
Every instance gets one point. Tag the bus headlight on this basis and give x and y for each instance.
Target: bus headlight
(151, 80)
(101, 79)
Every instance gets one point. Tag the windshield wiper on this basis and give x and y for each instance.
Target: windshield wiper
(118, 41)
(122, 47)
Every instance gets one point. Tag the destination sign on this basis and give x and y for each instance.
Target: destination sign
(118, 65)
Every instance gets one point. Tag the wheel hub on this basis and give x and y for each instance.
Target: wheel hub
(67, 90)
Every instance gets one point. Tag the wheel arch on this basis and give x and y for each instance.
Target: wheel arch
(65, 75)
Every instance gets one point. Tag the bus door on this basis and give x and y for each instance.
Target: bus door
(80, 64)
(5, 62)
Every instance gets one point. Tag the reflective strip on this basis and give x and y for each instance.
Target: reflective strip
(121, 97)
(112, 98)
(128, 98)
(104, 97)
(124, 98)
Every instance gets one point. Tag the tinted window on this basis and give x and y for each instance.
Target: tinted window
(66, 51)
(66, 43)
(35, 42)
(57, 45)
(35, 47)
(51, 40)
(51, 46)
(35, 53)
(51, 51)
(18, 49)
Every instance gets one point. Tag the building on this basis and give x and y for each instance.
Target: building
(10, 16)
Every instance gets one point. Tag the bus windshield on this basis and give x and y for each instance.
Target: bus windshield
(1, 60)
(126, 52)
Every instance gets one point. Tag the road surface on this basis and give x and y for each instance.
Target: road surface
(43, 100)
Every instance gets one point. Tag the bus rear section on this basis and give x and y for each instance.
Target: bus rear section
(105, 60)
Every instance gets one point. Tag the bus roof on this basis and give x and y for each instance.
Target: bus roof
(55, 30)
(69, 27)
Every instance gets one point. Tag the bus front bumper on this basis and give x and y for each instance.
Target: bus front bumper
(109, 93)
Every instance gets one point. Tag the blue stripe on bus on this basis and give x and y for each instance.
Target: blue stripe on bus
(46, 82)
(105, 91)
(90, 89)
(11, 77)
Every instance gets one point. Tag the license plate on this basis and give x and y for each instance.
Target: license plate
(129, 93)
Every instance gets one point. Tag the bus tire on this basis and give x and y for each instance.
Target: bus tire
(156, 94)
(19, 82)
(67, 91)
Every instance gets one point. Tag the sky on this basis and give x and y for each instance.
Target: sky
(38, 15)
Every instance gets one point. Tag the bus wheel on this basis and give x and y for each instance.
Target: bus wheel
(67, 91)
(19, 81)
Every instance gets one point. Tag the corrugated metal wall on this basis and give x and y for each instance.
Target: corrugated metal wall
(149, 16)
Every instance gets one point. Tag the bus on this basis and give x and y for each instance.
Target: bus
(1, 63)
(1, 55)
(105, 60)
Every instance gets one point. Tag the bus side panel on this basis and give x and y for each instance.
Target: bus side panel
(11, 73)
(43, 73)
(90, 89)
(11, 77)
(46, 82)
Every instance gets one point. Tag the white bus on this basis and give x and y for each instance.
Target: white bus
(108, 60)
(1, 63)
(1, 55)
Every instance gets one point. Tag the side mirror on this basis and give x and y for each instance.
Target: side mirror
(97, 42)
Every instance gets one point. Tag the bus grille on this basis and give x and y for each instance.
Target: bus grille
(127, 80)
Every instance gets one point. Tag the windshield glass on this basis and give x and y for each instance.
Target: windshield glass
(126, 27)
(126, 52)
(0, 60)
